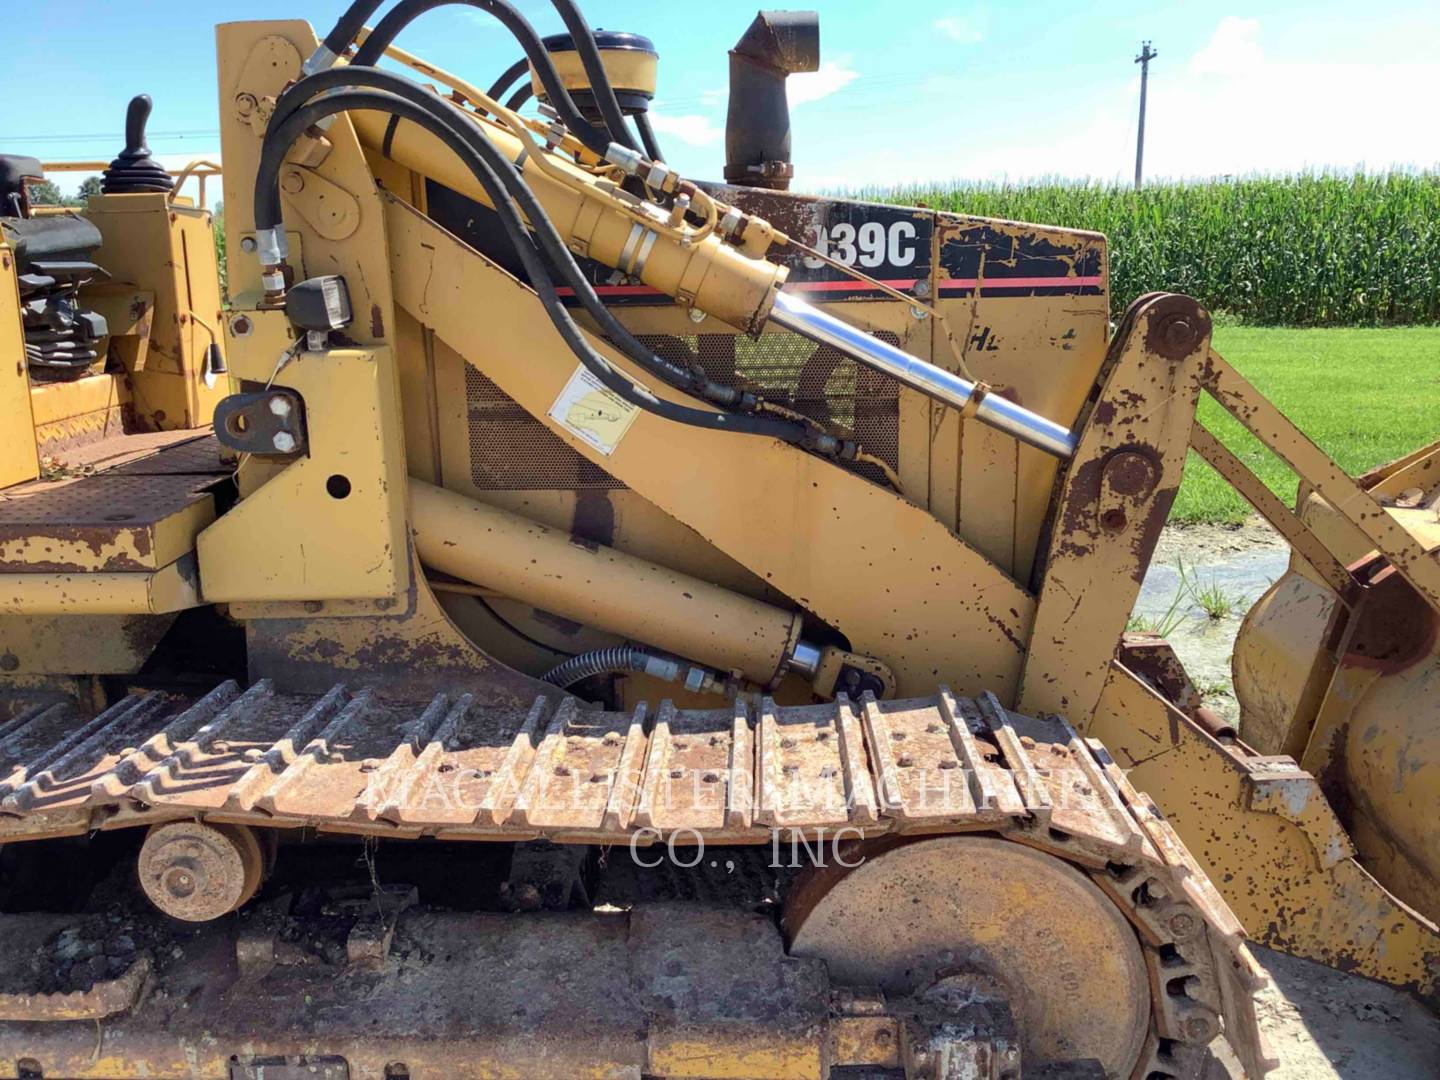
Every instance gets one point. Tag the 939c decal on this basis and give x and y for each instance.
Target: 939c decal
(870, 245)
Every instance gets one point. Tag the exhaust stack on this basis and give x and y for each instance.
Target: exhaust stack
(778, 44)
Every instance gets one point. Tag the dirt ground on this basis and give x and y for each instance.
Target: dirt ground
(1320, 1023)
(1241, 563)
(1323, 1024)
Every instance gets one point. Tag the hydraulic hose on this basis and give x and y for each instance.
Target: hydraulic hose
(647, 137)
(554, 249)
(587, 665)
(342, 34)
(269, 219)
(404, 13)
(600, 85)
(629, 659)
(508, 79)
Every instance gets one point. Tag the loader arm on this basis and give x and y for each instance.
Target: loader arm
(1260, 823)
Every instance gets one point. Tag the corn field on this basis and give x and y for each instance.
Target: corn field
(1312, 250)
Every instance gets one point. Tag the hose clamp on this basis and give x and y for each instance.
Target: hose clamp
(977, 398)
(636, 251)
(646, 247)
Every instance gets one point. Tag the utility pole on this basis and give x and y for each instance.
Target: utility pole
(1146, 55)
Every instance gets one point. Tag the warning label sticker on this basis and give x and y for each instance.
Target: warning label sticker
(590, 411)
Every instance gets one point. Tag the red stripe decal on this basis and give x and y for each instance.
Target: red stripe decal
(894, 283)
(953, 283)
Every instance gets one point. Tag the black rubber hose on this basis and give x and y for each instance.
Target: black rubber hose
(507, 80)
(587, 665)
(268, 215)
(554, 248)
(520, 97)
(350, 24)
(407, 11)
(647, 136)
(583, 39)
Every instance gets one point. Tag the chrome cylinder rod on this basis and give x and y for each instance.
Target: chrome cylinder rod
(1030, 428)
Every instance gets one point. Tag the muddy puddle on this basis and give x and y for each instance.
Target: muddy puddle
(1229, 567)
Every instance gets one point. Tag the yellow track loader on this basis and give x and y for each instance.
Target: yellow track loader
(560, 618)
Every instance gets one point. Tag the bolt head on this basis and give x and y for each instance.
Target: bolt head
(1179, 333)
(1182, 924)
(280, 406)
(248, 245)
(696, 315)
(283, 441)
(1197, 1028)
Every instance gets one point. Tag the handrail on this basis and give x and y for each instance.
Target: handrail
(200, 171)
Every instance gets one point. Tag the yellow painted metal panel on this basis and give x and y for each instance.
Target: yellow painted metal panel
(172, 588)
(18, 462)
(305, 535)
(103, 523)
(70, 414)
(169, 251)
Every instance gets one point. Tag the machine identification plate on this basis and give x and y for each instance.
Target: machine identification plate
(590, 411)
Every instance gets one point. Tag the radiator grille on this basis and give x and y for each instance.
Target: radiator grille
(511, 450)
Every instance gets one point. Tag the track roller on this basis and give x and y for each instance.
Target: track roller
(197, 872)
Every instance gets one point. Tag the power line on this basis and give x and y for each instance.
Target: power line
(110, 135)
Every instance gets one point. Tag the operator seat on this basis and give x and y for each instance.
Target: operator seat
(14, 171)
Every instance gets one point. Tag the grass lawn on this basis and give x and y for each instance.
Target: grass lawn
(1365, 396)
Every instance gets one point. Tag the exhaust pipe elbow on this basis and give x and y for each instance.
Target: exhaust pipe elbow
(757, 128)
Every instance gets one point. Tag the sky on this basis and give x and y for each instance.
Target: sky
(928, 92)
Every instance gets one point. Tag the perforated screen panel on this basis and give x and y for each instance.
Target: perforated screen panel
(511, 450)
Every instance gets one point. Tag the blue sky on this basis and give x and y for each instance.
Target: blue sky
(907, 92)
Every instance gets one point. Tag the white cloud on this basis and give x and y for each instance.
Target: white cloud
(692, 128)
(1231, 109)
(1221, 106)
(963, 29)
(833, 76)
(1233, 49)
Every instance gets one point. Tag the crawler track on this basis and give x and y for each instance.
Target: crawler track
(453, 770)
